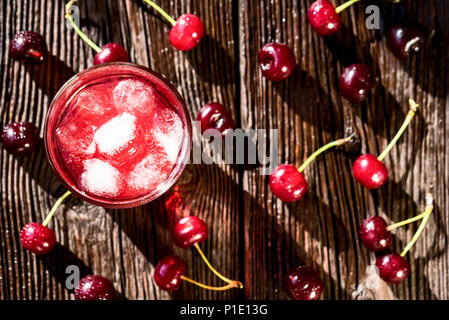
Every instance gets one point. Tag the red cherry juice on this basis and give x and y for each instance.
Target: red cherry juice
(118, 135)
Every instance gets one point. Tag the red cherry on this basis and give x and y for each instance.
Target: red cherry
(393, 268)
(374, 234)
(111, 52)
(37, 238)
(95, 287)
(168, 272)
(369, 171)
(287, 183)
(302, 283)
(28, 45)
(277, 61)
(323, 18)
(187, 32)
(20, 138)
(405, 40)
(356, 81)
(215, 116)
(188, 231)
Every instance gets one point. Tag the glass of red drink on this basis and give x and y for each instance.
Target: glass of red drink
(118, 135)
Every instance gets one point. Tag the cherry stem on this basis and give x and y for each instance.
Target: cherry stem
(405, 222)
(429, 209)
(68, 16)
(161, 11)
(240, 285)
(55, 206)
(345, 5)
(324, 148)
(224, 288)
(410, 115)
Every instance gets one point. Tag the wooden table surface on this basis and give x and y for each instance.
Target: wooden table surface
(254, 237)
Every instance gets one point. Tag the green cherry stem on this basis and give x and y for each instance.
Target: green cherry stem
(342, 7)
(408, 118)
(204, 286)
(68, 16)
(55, 207)
(240, 285)
(322, 149)
(161, 11)
(405, 222)
(429, 209)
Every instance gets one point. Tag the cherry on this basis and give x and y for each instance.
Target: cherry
(111, 52)
(168, 272)
(356, 81)
(28, 45)
(302, 283)
(189, 231)
(94, 287)
(374, 234)
(20, 138)
(186, 32)
(277, 61)
(215, 116)
(37, 238)
(324, 18)
(369, 171)
(287, 183)
(405, 40)
(393, 268)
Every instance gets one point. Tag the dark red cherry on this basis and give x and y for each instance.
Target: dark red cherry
(393, 268)
(188, 231)
(168, 272)
(277, 61)
(20, 138)
(302, 283)
(95, 287)
(37, 238)
(187, 32)
(215, 116)
(28, 45)
(369, 171)
(356, 81)
(111, 52)
(374, 234)
(323, 18)
(287, 183)
(405, 40)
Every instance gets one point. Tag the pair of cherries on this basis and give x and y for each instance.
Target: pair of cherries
(376, 236)
(358, 79)
(169, 272)
(277, 62)
(289, 184)
(185, 34)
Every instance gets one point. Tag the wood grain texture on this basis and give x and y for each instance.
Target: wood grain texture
(253, 236)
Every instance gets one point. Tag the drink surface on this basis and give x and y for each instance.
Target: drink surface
(119, 138)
